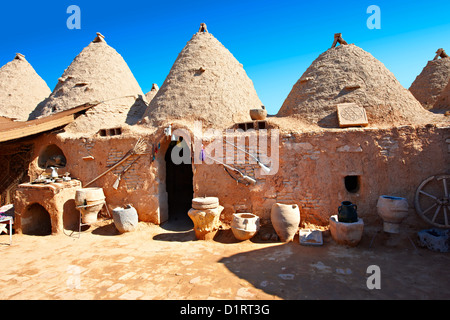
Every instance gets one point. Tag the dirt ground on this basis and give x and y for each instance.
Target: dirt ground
(167, 262)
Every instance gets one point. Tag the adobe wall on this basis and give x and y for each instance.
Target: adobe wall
(313, 166)
(89, 157)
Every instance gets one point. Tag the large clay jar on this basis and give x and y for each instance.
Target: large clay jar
(244, 225)
(285, 220)
(392, 210)
(125, 219)
(89, 201)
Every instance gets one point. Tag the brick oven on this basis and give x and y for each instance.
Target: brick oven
(42, 209)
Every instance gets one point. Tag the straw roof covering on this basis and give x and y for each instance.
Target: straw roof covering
(206, 83)
(443, 101)
(345, 74)
(429, 84)
(97, 74)
(21, 89)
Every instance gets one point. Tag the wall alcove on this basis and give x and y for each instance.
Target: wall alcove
(52, 156)
(39, 222)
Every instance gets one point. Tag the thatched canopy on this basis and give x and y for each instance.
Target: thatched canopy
(206, 83)
(97, 74)
(346, 74)
(21, 89)
(429, 84)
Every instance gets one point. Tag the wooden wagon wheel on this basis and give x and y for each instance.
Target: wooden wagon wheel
(432, 200)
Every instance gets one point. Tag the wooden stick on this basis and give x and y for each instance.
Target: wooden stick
(110, 169)
(116, 183)
(139, 148)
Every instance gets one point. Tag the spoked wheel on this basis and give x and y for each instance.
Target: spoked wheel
(433, 202)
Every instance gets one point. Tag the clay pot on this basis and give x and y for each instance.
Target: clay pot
(88, 196)
(125, 219)
(285, 220)
(89, 201)
(393, 210)
(347, 212)
(346, 233)
(244, 225)
(258, 114)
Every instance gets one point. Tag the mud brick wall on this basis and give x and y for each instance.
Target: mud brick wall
(311, 173)
(313, 167)
(131, 177)
(88, 158)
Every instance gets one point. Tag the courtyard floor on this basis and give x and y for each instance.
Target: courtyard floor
(157, 263)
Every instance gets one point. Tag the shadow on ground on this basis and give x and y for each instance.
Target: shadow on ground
(179, 229)
(292, 271)
(106, 230)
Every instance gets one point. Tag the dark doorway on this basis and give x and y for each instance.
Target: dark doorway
(179, 185)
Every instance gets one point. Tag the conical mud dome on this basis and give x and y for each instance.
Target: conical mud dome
(429, 84)
(97, 74)
(152, 93)
(21, 89)
(443, 101)
(348, 74)
(206, 83)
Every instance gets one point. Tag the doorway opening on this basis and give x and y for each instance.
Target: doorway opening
(38, 221)
(179, 184)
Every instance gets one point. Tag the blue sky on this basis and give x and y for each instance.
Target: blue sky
(275, 40)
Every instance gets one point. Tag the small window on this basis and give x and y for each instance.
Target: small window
(110, 132)
(352, 183)
(256, 125)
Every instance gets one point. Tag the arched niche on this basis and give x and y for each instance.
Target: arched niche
(37, 219)
(52, 156)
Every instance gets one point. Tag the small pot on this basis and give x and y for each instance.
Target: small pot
(244, 225)
(125, 219)
(258, 114)
(347, 212)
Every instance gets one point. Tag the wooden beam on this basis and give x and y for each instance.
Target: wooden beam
(19, 129)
